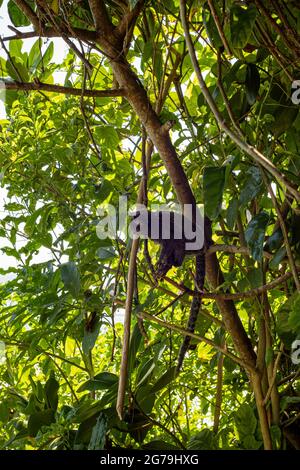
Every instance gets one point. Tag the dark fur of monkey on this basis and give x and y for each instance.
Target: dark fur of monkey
(172, 249)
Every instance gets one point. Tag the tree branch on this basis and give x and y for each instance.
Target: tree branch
(240, 250)
(100, 16)
(184, 332)
(129, 19)
(82, 34)
(250, 293)
(39, 86)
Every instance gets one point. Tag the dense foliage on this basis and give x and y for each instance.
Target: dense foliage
(62, 156)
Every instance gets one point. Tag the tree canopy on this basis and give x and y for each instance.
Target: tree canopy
(164, 102)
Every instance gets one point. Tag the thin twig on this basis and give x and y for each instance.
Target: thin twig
(184, 332)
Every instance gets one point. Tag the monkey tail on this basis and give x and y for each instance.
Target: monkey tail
(195, 307)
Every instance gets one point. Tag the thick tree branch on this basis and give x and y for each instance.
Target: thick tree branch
(100, 16)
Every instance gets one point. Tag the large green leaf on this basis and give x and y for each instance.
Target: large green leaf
(164, 380)
(16, 15)
(252, 185)
(70, 277)
(39, 419)
(255, 234)
(203, 440)
(245, 420)
(213, 187)
(134, 345)
(90, 337)
(294, 317)
(51, 392)
(97, 441)
(102, 381)
(241, 24)
(210, 27)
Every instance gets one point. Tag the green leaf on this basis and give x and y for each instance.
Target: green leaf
(285, 401)
(16, 15)
(108, 136)
(213, 187)
(14, 206)
(145, 371)
(48, 54)
(35, 54)
(245, 421)
(110, 396)
(51, 392)
(90, 338)
(255, 234)
(254, 278)
(147, 53)
(17, 70)
(102, 381)
(145, 398)
(283, 327)
(203, 440)
(70, 277)
(250, 442)
(274, 242)
(242, 22)
(15, 48)
(104, 190)
(158, 63)
(86, 410)
(159, 445)
(232, 213)
(252, 83)
(277, 258)
(210, 27)
(164, 380)
(294, 317)
(97, 441)
(39, 419)
(284, 118)
(4, 411)
(106, 253)
(252, 186)
(276, 435)
(135, 342)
